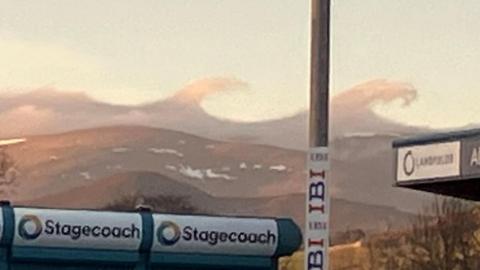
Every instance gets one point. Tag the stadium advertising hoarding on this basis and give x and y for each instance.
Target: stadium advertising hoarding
(215, 235)
(430, 161)
(77, 229)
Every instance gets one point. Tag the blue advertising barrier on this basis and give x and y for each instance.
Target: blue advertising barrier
(36, 238)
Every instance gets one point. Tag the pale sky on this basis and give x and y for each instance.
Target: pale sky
(132, 52)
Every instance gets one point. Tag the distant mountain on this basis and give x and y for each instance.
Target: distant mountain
(346, 214)
(362, 166)
(54, 163)
(49, 111)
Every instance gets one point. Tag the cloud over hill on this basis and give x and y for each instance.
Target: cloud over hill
(51, 111)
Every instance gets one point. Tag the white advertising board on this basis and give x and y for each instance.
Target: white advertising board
(77, 229)
(428, 161)
(215, 235)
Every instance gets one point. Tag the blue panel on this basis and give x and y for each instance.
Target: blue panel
(147, 240)
(7, 234)
(73, 255)
(147, 236)
(77, 266)
(4, 260)
(218, 267)
(289, 237)
(9, 225)
(171, 260)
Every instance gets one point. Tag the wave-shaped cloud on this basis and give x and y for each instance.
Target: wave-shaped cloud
(352, 110)
(363, 96)
(51, 111)
(195, 92)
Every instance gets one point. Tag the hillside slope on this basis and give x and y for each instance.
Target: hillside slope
(345, 214)
(362, 166)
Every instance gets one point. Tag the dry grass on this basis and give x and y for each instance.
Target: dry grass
(348, 258)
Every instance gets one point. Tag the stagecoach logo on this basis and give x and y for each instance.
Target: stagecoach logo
(168, 233)
(30, 227)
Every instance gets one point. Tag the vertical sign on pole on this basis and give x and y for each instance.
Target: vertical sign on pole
(318, 210)
(317, 196)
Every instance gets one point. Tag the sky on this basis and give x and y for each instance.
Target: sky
(132, 52)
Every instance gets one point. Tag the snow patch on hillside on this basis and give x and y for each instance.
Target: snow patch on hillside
(165, 151)
(170, 167)
(120, 150)
(257, 166)
(211, 174)
(278, 168)
(203, 174)
(191, 173)
(86, 175)
(118, 167)
(12, 141)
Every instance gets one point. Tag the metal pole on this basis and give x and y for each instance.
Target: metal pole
(319, 76)
(317, 195)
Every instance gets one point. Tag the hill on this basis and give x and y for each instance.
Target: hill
(52, 164)
(345, 214)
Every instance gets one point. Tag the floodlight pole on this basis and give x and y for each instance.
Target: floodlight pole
(318, 201)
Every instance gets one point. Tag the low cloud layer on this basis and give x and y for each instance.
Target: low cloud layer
(51, 111)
